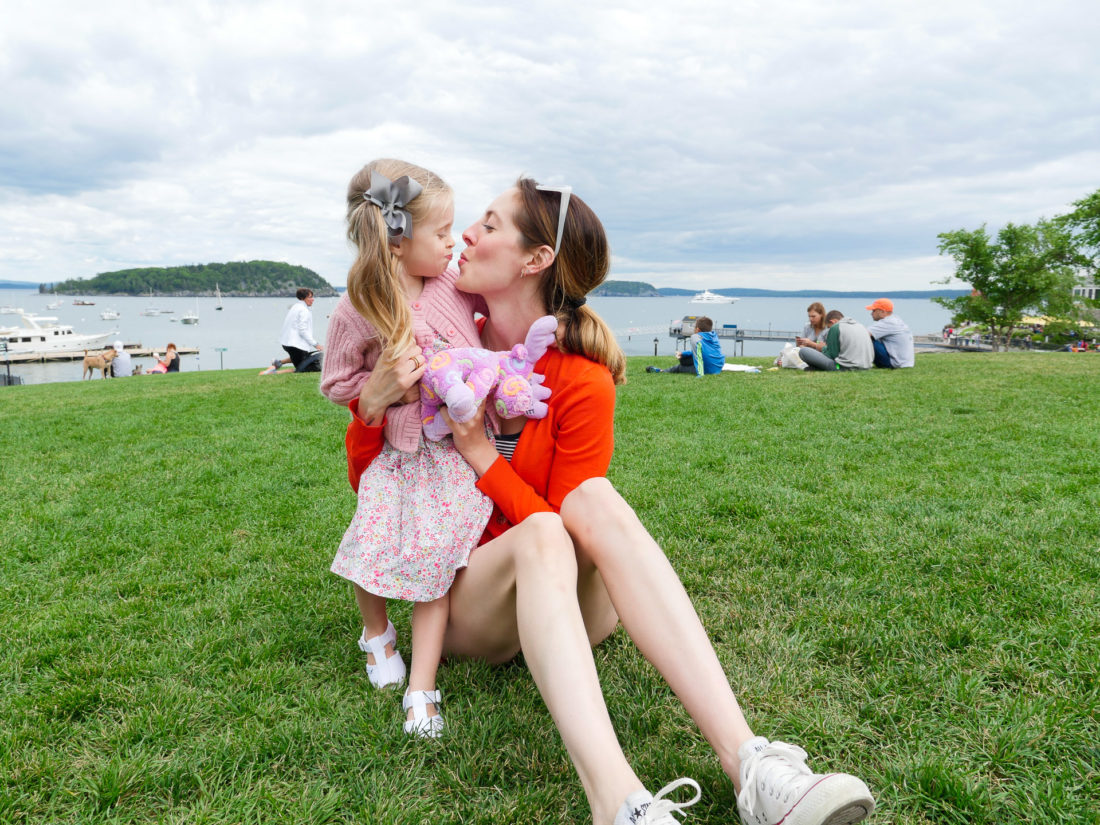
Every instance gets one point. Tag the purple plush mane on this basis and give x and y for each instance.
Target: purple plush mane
(462, 377)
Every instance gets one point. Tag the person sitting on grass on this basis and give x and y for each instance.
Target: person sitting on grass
(847, 346)
(122, 366)
(564, 558)
(813, 334)
(893, 341)
(704, 353)
(170, 362)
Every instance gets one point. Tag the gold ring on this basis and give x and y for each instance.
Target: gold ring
(416, 362)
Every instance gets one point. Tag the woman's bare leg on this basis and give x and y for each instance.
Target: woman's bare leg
(663, 623)
(429, 622)
(373, 610)
(520, 591)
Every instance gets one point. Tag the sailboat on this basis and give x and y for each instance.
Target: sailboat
(152, 310)
(218, 295)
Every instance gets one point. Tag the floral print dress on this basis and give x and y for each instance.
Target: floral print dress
(419, 516)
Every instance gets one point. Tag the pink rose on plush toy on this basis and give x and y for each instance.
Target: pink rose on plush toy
(462, 377)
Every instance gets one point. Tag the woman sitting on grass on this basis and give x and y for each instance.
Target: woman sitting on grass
(170, 362)
(813, 334)
(565, 558)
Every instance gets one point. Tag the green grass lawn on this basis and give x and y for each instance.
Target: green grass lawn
(899, 571)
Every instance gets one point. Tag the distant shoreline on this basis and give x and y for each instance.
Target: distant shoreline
(745, 292)
(659, 292)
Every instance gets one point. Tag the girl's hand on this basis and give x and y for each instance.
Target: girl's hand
(471, 441)
(391, 383)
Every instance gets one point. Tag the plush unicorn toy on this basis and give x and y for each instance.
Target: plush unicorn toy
(462, 377)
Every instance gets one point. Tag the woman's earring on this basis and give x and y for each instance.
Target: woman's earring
(523, 272)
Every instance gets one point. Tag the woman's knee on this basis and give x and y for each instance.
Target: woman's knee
(590, 495)
(595, 505)
(542, 541)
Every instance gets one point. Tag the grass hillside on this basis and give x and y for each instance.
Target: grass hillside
(899, 571)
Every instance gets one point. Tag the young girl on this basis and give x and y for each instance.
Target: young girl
(419, 514)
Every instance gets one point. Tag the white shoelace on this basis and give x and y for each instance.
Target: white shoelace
(660, 810)
(780, 772)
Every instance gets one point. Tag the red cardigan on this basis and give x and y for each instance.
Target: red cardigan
(573, 443)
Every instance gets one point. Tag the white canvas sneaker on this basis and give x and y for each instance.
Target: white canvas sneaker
(777, 787)
(643, 808)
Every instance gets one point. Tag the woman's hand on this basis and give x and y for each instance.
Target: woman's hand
(471, 441)
(391, 383)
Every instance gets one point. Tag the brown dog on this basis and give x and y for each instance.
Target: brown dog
(99, 362)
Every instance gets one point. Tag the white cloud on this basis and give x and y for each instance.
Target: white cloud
(771, 139)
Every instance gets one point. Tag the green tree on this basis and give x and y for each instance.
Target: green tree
(1026, 270)
(1084, 222)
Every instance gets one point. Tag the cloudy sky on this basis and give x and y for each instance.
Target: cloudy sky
(784, 144)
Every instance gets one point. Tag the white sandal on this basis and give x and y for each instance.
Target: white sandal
(385, 671)
(423, 725)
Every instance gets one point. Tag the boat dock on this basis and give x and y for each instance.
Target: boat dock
(135, 350)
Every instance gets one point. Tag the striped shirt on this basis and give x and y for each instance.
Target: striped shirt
(506, 445)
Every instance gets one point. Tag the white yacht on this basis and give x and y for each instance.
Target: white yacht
(42, 334)
(708, 297)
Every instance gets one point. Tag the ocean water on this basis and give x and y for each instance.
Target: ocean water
(244, 335)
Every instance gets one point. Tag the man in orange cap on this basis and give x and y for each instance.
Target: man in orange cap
(892, 338)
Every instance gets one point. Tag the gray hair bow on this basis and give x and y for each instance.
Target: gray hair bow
(391, 197)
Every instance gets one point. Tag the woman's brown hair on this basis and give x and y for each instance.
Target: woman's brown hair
(581, 265)
(819, 308)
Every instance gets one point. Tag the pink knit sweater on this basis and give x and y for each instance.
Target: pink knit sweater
(441, 314)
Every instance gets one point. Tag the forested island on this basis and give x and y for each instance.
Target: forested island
(625, 289)
(236, 278)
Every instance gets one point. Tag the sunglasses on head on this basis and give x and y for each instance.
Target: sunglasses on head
(565, 192)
